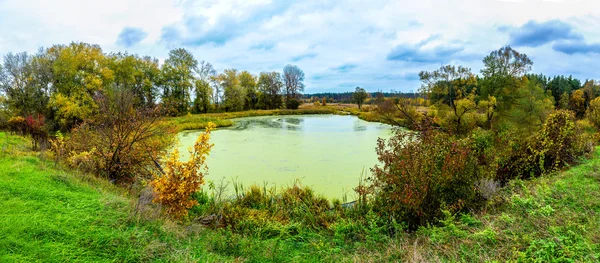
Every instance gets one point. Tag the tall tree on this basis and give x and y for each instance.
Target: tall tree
(452, 87)
(532, 107)
(270, 85)
(206, 72)
(202, 97)
(79, 72)
(447, 84)
(178, 79)
(502, 74)
(248, 83)
(139, 76)
(233, 93)
(577, 103)
(359, 96)
(293, 78)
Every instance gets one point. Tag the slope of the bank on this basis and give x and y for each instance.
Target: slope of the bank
(51, 215)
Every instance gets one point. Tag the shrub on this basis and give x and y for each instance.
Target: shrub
(179, 180)
(556, 141)
(559, 142)
(17, 125)
(255, 197)
(31, 126)
(423, 173)
(127, 141)
(292, 104)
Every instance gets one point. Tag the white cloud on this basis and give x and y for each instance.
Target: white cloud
(260, 35)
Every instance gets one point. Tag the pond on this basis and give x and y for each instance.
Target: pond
(325, 152)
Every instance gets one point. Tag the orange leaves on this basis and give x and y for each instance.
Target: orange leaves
(180, 180)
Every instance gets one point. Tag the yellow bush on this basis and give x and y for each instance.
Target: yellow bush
(17, 124)
(179, 180)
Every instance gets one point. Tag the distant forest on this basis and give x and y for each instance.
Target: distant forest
(346, 97)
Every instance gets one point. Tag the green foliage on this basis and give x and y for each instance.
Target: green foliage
(531, 107)
(24, 80)
(202, 97)
(292, 104)
(248, 83)
(462, 118)
(178, 80)
(139, 75)
(269, 86)
(557, 144)
(488, 108)
(502, 74)
(563, 102)
(359, 96)
(234, 94)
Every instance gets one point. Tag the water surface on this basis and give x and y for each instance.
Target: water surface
(325, 152)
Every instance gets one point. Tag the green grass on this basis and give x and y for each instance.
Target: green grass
(51, 215)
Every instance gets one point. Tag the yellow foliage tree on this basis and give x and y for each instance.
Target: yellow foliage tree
(177, 182)
(593, 112)
(577, 103)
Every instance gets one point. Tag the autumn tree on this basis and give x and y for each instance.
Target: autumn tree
(123, 142)
(79, 72)
(359, 96)
(488, 108)
(593, 112)
(577, 103)
(453, 90)
(269, 89)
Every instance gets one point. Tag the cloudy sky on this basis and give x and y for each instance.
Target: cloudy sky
(375, 44)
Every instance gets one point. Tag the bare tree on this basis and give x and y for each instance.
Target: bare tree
(293, 77)
(205, 71)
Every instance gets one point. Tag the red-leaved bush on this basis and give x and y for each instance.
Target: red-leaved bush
(423, 173)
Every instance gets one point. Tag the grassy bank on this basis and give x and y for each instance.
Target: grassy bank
(53, 215)
(223, 119)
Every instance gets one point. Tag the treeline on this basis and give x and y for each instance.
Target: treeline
(348, 97)
(61, 84)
